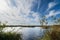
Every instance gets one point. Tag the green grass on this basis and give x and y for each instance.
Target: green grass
(10, 36)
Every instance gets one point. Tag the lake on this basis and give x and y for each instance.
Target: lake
(28, 33)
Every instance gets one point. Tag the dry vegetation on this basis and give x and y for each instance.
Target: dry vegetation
(54, 34)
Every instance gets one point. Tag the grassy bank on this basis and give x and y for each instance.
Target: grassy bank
(54, 34)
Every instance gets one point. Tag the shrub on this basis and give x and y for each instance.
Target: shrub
(10, 36)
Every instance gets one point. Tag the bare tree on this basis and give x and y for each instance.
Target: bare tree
(44, 22)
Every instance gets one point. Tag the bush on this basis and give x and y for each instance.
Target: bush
(10, 36)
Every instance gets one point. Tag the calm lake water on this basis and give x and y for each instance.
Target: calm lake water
(28, 33)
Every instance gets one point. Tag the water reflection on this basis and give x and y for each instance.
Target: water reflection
(28, 33)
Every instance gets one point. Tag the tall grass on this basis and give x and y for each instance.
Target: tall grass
(52, 35)
(8, 35)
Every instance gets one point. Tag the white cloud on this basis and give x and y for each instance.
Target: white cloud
(17, 11)
(36, 15)
(51, 4)
(52, 13)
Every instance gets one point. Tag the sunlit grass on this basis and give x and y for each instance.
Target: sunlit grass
(53, 34)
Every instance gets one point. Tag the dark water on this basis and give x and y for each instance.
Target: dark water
(28, 33)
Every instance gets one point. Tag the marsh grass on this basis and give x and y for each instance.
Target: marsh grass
(54, 34)
(10, 36)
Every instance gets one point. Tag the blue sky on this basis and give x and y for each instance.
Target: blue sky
(28, 11)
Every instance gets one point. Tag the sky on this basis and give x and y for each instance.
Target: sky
(28, 12)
